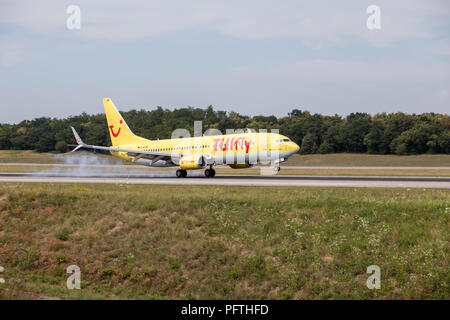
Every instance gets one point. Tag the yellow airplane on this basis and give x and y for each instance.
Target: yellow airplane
(239, 150)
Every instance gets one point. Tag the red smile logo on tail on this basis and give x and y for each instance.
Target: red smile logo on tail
(118, 131)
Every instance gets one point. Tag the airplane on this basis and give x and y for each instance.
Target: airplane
(238, 150)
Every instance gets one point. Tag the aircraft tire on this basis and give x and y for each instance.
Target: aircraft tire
(181, 173)
(212, 173)
(207, 173)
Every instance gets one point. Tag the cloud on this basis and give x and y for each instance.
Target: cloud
(409, 75)
(11, 53)
(443, 49)
(250, 19)
(344, 72)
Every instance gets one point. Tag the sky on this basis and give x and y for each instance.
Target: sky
(263, 57)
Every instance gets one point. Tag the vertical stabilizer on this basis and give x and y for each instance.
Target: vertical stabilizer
(118, 129)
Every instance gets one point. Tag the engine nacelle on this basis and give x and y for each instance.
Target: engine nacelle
(244, 165)
(192, 162)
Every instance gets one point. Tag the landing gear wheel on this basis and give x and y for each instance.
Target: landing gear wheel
(210, 173)
(181, 173)
(276, 169)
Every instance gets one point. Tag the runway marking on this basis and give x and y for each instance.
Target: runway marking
(223, 166)
(30, 164)
(233, 180)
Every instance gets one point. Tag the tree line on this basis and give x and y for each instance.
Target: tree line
(383, 133)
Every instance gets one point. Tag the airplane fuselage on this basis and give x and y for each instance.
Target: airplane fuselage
(220, 149)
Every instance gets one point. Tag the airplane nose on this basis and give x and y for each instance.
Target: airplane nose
(293, 148)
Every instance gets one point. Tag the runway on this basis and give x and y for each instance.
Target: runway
(235, 180)
(129, 166)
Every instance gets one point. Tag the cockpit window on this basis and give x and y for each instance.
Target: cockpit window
(282, 140)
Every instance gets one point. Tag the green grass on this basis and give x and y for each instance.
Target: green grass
(205, 242)
(362, 159)
(22, 156)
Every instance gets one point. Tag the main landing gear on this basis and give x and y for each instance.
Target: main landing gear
(181, 173)
(210, 173)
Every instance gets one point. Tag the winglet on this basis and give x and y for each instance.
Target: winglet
(78, 139)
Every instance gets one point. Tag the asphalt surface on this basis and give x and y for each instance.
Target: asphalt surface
(282, 166)
(232, 180)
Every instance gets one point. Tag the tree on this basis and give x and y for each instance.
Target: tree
(61, 146)
(325, 147)
(444, 141)
(359, 132)
(374, 139)
(414, 140)
(356, 127)
(5, 134)
(309, 144)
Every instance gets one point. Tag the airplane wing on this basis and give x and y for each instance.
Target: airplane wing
(137, 154)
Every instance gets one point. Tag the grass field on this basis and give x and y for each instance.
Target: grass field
(20, 156)
(205, 242)
(362, 159)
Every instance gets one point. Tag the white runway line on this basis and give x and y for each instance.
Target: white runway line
(134, 166)
(366, 168)
(317, 181)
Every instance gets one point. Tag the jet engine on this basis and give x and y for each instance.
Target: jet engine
(192, 162)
